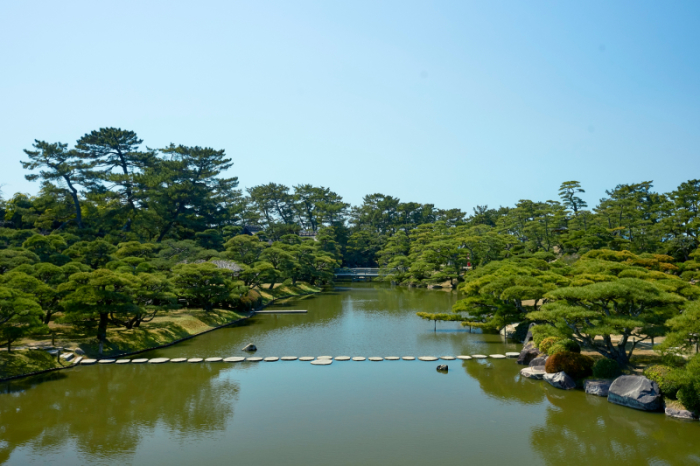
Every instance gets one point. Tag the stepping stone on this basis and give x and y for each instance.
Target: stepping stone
(272, 359)
(234, 359)
(376, 358)
(392, 358)
(195, 360)
(88, 361)
(306, 358)
(123, 361)
(359, 358)
(465, 358)
(139, 361)
(342, 358)
(213, 360)
(289, 358)
(447, 358)
(479, 356)
(512, 354)
(158, 360)
(254, 359)
(427, 358)
(106, 361)
(409, 358)
(176, 360)
(322, 362)
(324, 357)
(497, 356)
(77, 360)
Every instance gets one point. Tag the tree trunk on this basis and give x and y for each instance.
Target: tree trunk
(102, 327)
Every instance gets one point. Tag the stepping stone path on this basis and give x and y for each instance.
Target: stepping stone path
(409, 358)
(447, 358)
(289, 358)
(272, 359)
(77, 360)
(497, 356)
(123, 361)
(464, 358)
(106, 361)
(213, 360)
(479, 356)
(342, 358)
(139, 361)
(195, 360)
(359, 358)
(176, 360)
(234, 359)
(324, 357)
(376, 358)
(158, 360)
(322, 362)
(306, 358)
(427, 358)
(88, 361)
(392, 358)
(512, 354)
(255, 359)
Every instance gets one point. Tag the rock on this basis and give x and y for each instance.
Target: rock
(285, 358)
(139, 361)
(178, 360)
(79, 352)
(236, 359)
(512, 354)
(442, 367)
(67, 356)
(255, 359)
(537, 362)
(509, 330)
(158, 360)
(324, 357)
(106, 361)
(408, 358)
(77, 360)
(528, 353)
(464, 357)
(271, 359)
(123, 361)
(88, 361)
(195, 360)
(533, 373)
(497, 356)
(597, 387)
(390, 358)
(635, 391)
(343, 358)
(681, 414)
(528, 337)
(479, 356)
(359, 358)
(322, 362)
(447, 358)
(376, 358)
(560, 380)
(250, 347)
(427, 358)
(306, 358)
(213, 360)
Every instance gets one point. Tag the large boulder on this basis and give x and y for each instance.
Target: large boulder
(250, 347)
(597, 387)
(528, 353)
(635, 391)
(442, 367)
(536, 373)
(538, 362)
(560, 380)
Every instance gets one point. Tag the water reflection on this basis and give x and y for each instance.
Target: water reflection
(497, 379)
(585, 429)
(105, 411)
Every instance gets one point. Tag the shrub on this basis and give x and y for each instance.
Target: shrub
(576, 365)
(606, 369)
(547, 343)
(690, 398)
(564, 345)
(663, 376)
(540, 332)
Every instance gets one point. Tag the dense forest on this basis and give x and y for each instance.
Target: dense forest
(119, 232)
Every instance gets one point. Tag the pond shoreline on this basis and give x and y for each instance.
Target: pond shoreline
(263, 304)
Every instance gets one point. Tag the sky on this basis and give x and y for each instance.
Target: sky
(455, 103)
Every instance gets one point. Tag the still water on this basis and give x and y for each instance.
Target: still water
(348, 413)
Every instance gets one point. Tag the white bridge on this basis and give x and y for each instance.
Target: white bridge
(357, 273)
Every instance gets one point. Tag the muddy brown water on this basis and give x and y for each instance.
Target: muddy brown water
(348, 413)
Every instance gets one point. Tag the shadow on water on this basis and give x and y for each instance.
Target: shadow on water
(106, 410)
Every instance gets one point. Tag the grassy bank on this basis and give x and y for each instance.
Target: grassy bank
(163, 330)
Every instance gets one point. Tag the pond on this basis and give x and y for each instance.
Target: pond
(348, 413)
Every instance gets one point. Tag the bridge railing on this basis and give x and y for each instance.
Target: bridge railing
(358, 271)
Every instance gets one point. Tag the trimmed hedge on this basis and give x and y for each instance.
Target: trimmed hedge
(663, 376)
(564, 345)
(576, 365)
(547, 343)
(606, 369)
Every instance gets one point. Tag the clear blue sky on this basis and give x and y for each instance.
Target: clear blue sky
(455, 103)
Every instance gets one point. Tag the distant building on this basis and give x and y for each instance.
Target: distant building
(308, 234)
(251, 230)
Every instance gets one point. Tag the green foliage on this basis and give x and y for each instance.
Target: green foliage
(577, 366)
(205, 285)
(688, 381)
(20, 315)
(666, 379)
(547, 343)
(564, 345)
(606, 369)
(540, 332)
